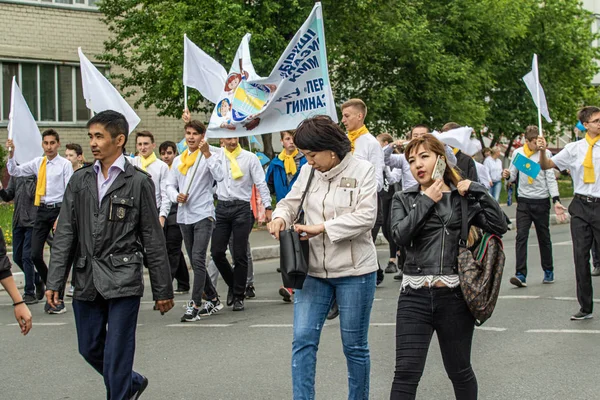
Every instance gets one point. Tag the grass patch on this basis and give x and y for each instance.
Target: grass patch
(565, 190)
(6, 215)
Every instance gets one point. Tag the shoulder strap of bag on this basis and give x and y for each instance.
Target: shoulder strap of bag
(464, 228)
(299, 213)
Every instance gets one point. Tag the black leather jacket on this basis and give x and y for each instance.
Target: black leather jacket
(110, 238)
(431, 245)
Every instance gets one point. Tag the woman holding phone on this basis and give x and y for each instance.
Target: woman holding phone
(426, 220)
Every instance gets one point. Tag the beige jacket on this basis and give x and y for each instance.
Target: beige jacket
(346, 248)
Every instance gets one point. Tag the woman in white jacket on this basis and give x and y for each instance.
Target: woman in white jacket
(339, 210)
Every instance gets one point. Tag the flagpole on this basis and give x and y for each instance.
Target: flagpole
(185, 97)
(537, 92)
(185, 104)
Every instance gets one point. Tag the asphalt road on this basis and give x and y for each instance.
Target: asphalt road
(529, 350)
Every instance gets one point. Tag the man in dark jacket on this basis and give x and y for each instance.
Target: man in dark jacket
(22, 191)
(109, 216)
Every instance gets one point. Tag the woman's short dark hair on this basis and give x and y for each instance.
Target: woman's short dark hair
(320, 133)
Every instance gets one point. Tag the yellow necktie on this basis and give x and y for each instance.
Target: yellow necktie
(589, 175)
(40, 187)
(353, 135)
(187, 160)
(289, 162)
(146, 161)
(236, 172)
(528, 153)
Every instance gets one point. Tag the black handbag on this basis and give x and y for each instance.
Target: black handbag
(293, 252)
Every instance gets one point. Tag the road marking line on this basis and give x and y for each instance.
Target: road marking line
(519, 297)
(43, 324)
(595, 331)
(272, 326)
(382, 324)
(490, 328)
(188, 325)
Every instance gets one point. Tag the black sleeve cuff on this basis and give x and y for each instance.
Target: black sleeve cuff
(555, 199)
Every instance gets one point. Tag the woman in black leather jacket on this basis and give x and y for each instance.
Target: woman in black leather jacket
(426, 221)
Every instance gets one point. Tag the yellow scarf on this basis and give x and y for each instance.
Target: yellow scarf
(589, 175)
(455, 150)
(187, 160)
(40, 187)
(147, 161)
(236, 172)
(528, 152)
(289, 162)
(353, 135)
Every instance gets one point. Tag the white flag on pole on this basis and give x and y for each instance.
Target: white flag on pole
(459, 138)
(22, 128)
(202, 72)
(100, 95)
(532, 81)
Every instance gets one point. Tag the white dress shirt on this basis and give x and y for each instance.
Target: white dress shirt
(58, 173)
(544, 184)
(200, 202)
(113, 172)
(571, 158)
(483, 174)
(494, 166)
(158, 170)
(399, 161)
(241, 189)
(366, 147)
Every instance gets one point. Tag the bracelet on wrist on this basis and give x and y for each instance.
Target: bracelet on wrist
(18, 302)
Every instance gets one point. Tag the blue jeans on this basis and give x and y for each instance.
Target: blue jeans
(495, 190)
(354, 295)
(22, 257)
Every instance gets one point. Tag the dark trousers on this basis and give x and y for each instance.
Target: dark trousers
(196, 237)
(585, 228)
(179, 270)
(595, 254)
(387, 225)
(106, 337)
(537, 212)
(236, 217)
(42, 226)
(22, 257)
(420, 313)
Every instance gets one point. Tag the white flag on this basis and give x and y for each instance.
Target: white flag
(22, 128)
(459, 138)
(297, 88)
(202, 72)
(100, 95)
(532, 80)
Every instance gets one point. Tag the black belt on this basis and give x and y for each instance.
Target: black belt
(588, 199)
(233, 202)
(53, 205)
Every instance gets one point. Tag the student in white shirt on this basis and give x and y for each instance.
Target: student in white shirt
(533, 206)
(494, 166)
(156, 168)
(190, 184)
(582, 158)
(53, 173)
(242, 169)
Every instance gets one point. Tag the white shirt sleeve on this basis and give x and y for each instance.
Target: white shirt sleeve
(566, 158)
(29, 168)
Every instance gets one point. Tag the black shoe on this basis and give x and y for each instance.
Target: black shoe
(40, 290)
(334, 311)
(581, 316)
(30, 299)
(230, 297)
(596, 271)
(391, 268)
(278, 269)
(380, 276)
(137, 394)
(250, 292)
(238, 305)
(399, 276)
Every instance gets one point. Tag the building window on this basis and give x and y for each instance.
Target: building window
(53, 91)
(89, 4)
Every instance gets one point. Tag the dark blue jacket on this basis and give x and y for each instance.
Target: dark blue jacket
(277, 178)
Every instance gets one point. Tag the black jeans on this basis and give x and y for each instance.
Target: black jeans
(537, 212)
(232, 217)
(387, 225)
(420, 313)
(585, 228)
(596, 254)
(42, 226)
(179, 270)
(196, 237)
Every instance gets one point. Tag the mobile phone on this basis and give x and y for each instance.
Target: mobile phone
(439, 169)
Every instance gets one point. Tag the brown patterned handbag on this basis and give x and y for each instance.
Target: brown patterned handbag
(480, 270)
